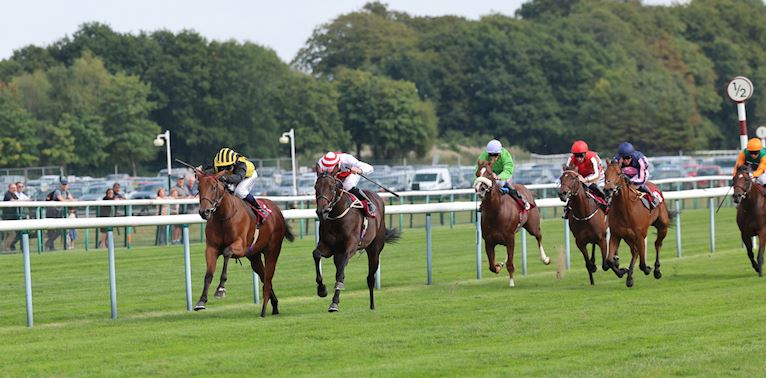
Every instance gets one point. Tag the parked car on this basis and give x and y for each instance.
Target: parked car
(710, 170)
(432, 179)
(530, 176)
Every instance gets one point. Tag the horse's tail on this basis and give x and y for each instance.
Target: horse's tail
(393, 235)
(672, 214)
(288, 232)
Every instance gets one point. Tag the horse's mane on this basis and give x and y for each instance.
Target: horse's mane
(743, 168)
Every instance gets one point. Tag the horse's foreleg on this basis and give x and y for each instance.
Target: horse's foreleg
(611, 260)
(589, 265)
(220, 292)
(321, 288)
(489, 248)
(340, 259)
(642, 257)
(634, 252)
(748, 241)
(211, 256)
(509, 262)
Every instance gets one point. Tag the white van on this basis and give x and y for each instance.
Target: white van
(432, 179)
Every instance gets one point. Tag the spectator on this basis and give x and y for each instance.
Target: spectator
(180, 188)
(190, 186)
(10, 213)
(62, 195)
(118, 194)
(174, 210)
(161, 236)
(106, 211)
(23, 212)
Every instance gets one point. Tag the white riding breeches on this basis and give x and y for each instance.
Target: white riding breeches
(760, 179)
(244, 186)
(351, 181)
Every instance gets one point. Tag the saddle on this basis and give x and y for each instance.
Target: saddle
(365, 206)
(599, 200)
(652, 199)
(260, 214)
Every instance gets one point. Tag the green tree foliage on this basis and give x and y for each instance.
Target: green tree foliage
(385, 114)
(19, 133)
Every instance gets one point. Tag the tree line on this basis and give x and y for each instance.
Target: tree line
(599, 70)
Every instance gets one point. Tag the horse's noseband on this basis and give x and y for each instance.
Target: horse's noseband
(214, 204)
(486, 182)
(331, 202)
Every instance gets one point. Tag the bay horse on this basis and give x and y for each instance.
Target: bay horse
(501, 219)
(341, 217)
(751, 214)
(587, 220)
(629, 220)
(232, 230)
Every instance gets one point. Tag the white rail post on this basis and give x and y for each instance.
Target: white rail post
(478, 245)
(112, 275)
(428, 248)
(712, 225)
(256, 288)
(678, 228)
(566, 241)
(187, 267)
(523, 251)
(27, 277)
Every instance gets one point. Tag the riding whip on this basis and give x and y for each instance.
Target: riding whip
(376, 183)
(723, 199)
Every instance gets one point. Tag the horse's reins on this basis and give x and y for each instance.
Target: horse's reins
(570, 194)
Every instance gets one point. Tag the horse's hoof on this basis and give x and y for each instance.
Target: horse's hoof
(629, 282)
(333, 308)
(547, 260)
(322, 291)
(275, 312)
(511, 283)
(604, 267)
(657, 274)
(592, 268)
(199, 307)
(220, 293)
(647, 271)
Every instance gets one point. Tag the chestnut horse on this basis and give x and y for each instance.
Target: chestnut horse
(629, 220)
(232, 230)
(587, 220)
(501, 219)
(341, 217)
(751, 214)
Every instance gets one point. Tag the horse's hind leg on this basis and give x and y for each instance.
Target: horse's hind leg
(510, 244)
(634, 253)
(661, 232)
(761, 245)
(220, 292)
(211, 256)
(611, 260)
(373, 260)
(642, 257)
(533, 227)
(271, 256)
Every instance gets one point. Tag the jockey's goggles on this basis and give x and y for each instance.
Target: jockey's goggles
(494, 155)
(627, 157)
(753, 152)
(579, 154)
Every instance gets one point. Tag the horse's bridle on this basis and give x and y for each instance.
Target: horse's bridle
(337, 193)
(745, 191)
(214, 205)
(571, 193)
(483, 180)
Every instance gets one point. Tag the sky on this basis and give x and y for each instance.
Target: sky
(283, 26)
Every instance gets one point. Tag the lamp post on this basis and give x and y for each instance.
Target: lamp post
(161, 139)
(289, 136)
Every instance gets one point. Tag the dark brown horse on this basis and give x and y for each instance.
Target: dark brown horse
(629, 220)
(231, 230)
(341, 217)
(751, 214)
(587, 220)
(501, 219)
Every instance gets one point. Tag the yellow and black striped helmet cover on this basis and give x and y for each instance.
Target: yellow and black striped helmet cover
(225, 157)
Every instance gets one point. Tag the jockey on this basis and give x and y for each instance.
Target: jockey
(755, 157)
(240, 173)
(345, 167)
(635, 167)
(502, 168)
(588, 165)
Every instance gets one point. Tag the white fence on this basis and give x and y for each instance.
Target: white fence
(187, 219)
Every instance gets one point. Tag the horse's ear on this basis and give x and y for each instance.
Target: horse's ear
(564, 167)
(608, 161)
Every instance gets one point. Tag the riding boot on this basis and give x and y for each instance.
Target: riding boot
(652, 201)
(362, 196)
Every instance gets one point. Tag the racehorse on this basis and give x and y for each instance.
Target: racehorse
(343, 230)
(751, 214)
(587, 220)
(501, 218)
(629, 220)
(232, 230)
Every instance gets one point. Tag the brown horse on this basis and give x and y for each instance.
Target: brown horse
(232, 230)
(341, 217)
(501, 219)
(751, 214)
(586, 221)
(629, 220)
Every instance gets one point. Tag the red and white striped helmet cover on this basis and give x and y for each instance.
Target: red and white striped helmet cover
(329, 161)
